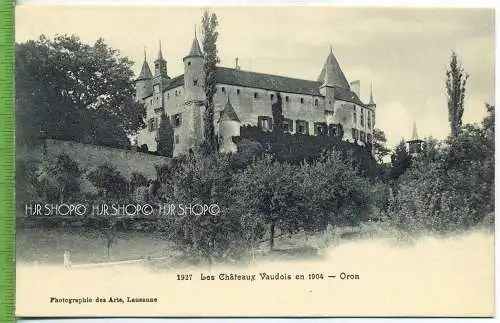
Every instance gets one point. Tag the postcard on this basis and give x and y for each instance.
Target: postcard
(254, 161)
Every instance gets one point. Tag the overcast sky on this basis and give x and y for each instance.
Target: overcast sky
(404, 52)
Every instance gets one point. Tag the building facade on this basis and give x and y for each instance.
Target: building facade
(243, 98)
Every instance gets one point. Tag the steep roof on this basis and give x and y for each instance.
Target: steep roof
(228, 113)
(145, 72)
(195, 49)
(331, 74)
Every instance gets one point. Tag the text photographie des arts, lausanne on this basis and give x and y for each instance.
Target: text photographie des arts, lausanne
(254, 161)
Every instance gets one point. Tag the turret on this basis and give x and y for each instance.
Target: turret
(229, 128)
(372, 105)
(331, 76)
(193, 74)
(414, 144)
(144, 83)
(160, 64)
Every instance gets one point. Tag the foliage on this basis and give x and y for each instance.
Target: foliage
(248, 151)
(379, 145)
(400, 160)
(69, 90)
(456, 79)
(210, 35)
(59, 180)
(165, 138)
(110, 183)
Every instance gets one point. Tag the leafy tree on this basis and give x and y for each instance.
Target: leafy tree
(60, 179)
(110, 183)
(456, 79)
(400, 160)
(277, 111)
(379, 145)
(165, 138)
(210, 35)
(69, 90)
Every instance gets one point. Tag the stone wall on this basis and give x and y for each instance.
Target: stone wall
(90, 156)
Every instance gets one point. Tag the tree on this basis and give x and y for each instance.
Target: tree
(165, 138)
(400, 160)
(277, 111)
(110, 183)
(69, 90)
(456, 79)
(60, 179)
(379, 145)
(210, 35)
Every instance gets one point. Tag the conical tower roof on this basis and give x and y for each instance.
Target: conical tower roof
(331, 74)
(414, 135)
(195, 47)
(228, 113)
(372, 102)
(160, 53)
(145, 70)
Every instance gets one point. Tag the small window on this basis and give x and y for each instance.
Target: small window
(168, 96)
(177, 139)
(301, 100)
(316, 102)
(355, 134)
(177, 120)
(302, 127)
(320, 128)
(362, 117)
(238, 91)
(265, 123)
(287, 125)
(195, 82)
(329, 101)
(355, 116)
(151, 124)
(223, 90)
(272, 97)
(287, 98)
(189, 63)
(255, 95)
(362, 136)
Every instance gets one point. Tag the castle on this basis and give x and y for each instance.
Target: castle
(326, 106)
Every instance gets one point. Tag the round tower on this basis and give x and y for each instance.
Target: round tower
(193, 74)
(144, 83)
(229, 127)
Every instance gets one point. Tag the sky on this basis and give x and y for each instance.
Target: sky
(403, 52)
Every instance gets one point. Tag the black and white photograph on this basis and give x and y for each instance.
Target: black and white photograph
(254, 161)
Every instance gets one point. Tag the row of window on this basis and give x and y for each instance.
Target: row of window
(301, 126)
(154, 123)
(362, 115)
(271, 96)
(361, 136)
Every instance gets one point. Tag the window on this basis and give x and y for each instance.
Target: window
(255, 95)
(316, 102)
(332, 130)
(362, 136)
(168, 96)
(329, 101)
(189, 63)
(238, 91)
(301, 100)
(265, 123)
(195, 82)
(355, 116)
(151, 124)
(287, 125)
(302, 127)
(355, 134)
(319, 128)
(286, 98)
(272, 97)
(223, 90)
(369, 120)
(177, 120)
(362, 117)
(177, 139)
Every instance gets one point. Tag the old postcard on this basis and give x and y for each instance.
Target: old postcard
(251, 161)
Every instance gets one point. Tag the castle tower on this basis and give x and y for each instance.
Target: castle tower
(414, 144)
(160, 64)
(194, 98)
(229, 127)
(329, 80)
(160, 80)
(144, 83)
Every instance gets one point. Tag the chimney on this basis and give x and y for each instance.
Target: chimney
(237, 67)
(355, 86)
